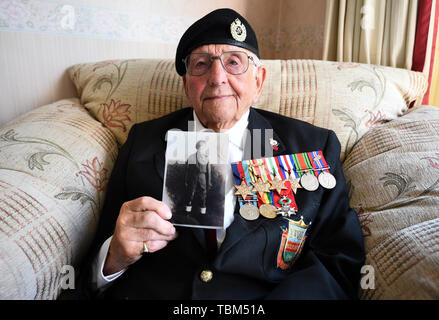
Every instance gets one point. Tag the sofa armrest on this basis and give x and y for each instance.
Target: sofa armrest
(54, 165)
(393, 178)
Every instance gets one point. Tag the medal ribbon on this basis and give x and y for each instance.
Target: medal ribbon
(287, 164)
(237, 175)
(309, 164)
(277, 170)
(271, 168)
(245, 169)
(304, 162)
(317, 158)
(323, 161)
(249, 169)
(284, 166)
(281, 167)
(297, 164)
(314, 163)
(267, 172)
(247, 174)
(256, 168)
(290, 162)
(287, 192)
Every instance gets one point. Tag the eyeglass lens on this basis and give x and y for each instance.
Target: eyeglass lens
(234, 62)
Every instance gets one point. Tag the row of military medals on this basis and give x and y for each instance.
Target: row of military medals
(267, 186)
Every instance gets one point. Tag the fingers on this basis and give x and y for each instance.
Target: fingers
(155, 245)
(149, 204)
(144, 219)
(144, 223)
(150, 220)
(147, 212)
(145, 234)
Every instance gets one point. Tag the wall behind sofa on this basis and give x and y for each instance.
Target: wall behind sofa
(40, 39)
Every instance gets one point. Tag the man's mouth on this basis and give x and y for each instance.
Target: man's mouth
(218, 97)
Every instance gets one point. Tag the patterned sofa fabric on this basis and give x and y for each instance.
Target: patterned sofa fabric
(393, 177)
(55, 162)
(349, 98)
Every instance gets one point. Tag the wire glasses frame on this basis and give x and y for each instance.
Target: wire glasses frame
(233, 62)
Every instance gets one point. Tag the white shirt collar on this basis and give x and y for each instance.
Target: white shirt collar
(236, 133)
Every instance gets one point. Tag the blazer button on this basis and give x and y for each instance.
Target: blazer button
(206, 275)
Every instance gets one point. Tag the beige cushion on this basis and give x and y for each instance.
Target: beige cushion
(347, 98)
(55, 162)
(393, 177)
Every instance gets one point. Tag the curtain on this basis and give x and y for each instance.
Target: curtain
(425, 57)
(434, 92)
(378, 32)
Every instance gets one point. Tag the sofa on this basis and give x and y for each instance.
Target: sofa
(55, 162)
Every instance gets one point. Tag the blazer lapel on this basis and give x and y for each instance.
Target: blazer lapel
(159, 161)
(260, 133)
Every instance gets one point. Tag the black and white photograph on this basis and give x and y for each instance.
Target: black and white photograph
(195, 175)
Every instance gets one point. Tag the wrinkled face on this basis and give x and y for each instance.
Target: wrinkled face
(218, 97)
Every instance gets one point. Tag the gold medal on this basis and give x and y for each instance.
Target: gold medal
(244, 190)
(295, 183)
(261, 187)
(277, 184)
(268, 211)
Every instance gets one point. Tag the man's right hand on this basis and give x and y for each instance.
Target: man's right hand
(140, 220)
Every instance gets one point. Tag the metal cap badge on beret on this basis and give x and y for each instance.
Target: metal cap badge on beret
(222, 26)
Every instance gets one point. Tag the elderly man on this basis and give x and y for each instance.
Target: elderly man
(139, 254)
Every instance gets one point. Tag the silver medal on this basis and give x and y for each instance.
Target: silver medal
(309, 182)
(249, 212)
(327, 180)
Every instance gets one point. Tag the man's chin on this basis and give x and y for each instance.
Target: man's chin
(219, 112)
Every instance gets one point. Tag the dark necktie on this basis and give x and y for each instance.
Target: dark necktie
(211, 243)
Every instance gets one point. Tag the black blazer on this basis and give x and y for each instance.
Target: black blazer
(245, 267)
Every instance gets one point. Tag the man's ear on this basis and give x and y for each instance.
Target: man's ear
(261, 74)
(183, 77)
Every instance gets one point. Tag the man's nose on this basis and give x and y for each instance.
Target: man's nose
(217, 74)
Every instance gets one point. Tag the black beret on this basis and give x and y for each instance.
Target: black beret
(222, 26)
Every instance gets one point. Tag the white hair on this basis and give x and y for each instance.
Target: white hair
(256, 63)
(256, 60)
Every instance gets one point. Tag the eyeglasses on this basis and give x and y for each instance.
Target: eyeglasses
(234, 62)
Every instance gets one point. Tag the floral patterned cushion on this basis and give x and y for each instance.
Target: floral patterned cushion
(55, 162)
(349, 98)
(393, 177)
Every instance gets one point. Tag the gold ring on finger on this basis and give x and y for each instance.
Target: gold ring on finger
(145, 248)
